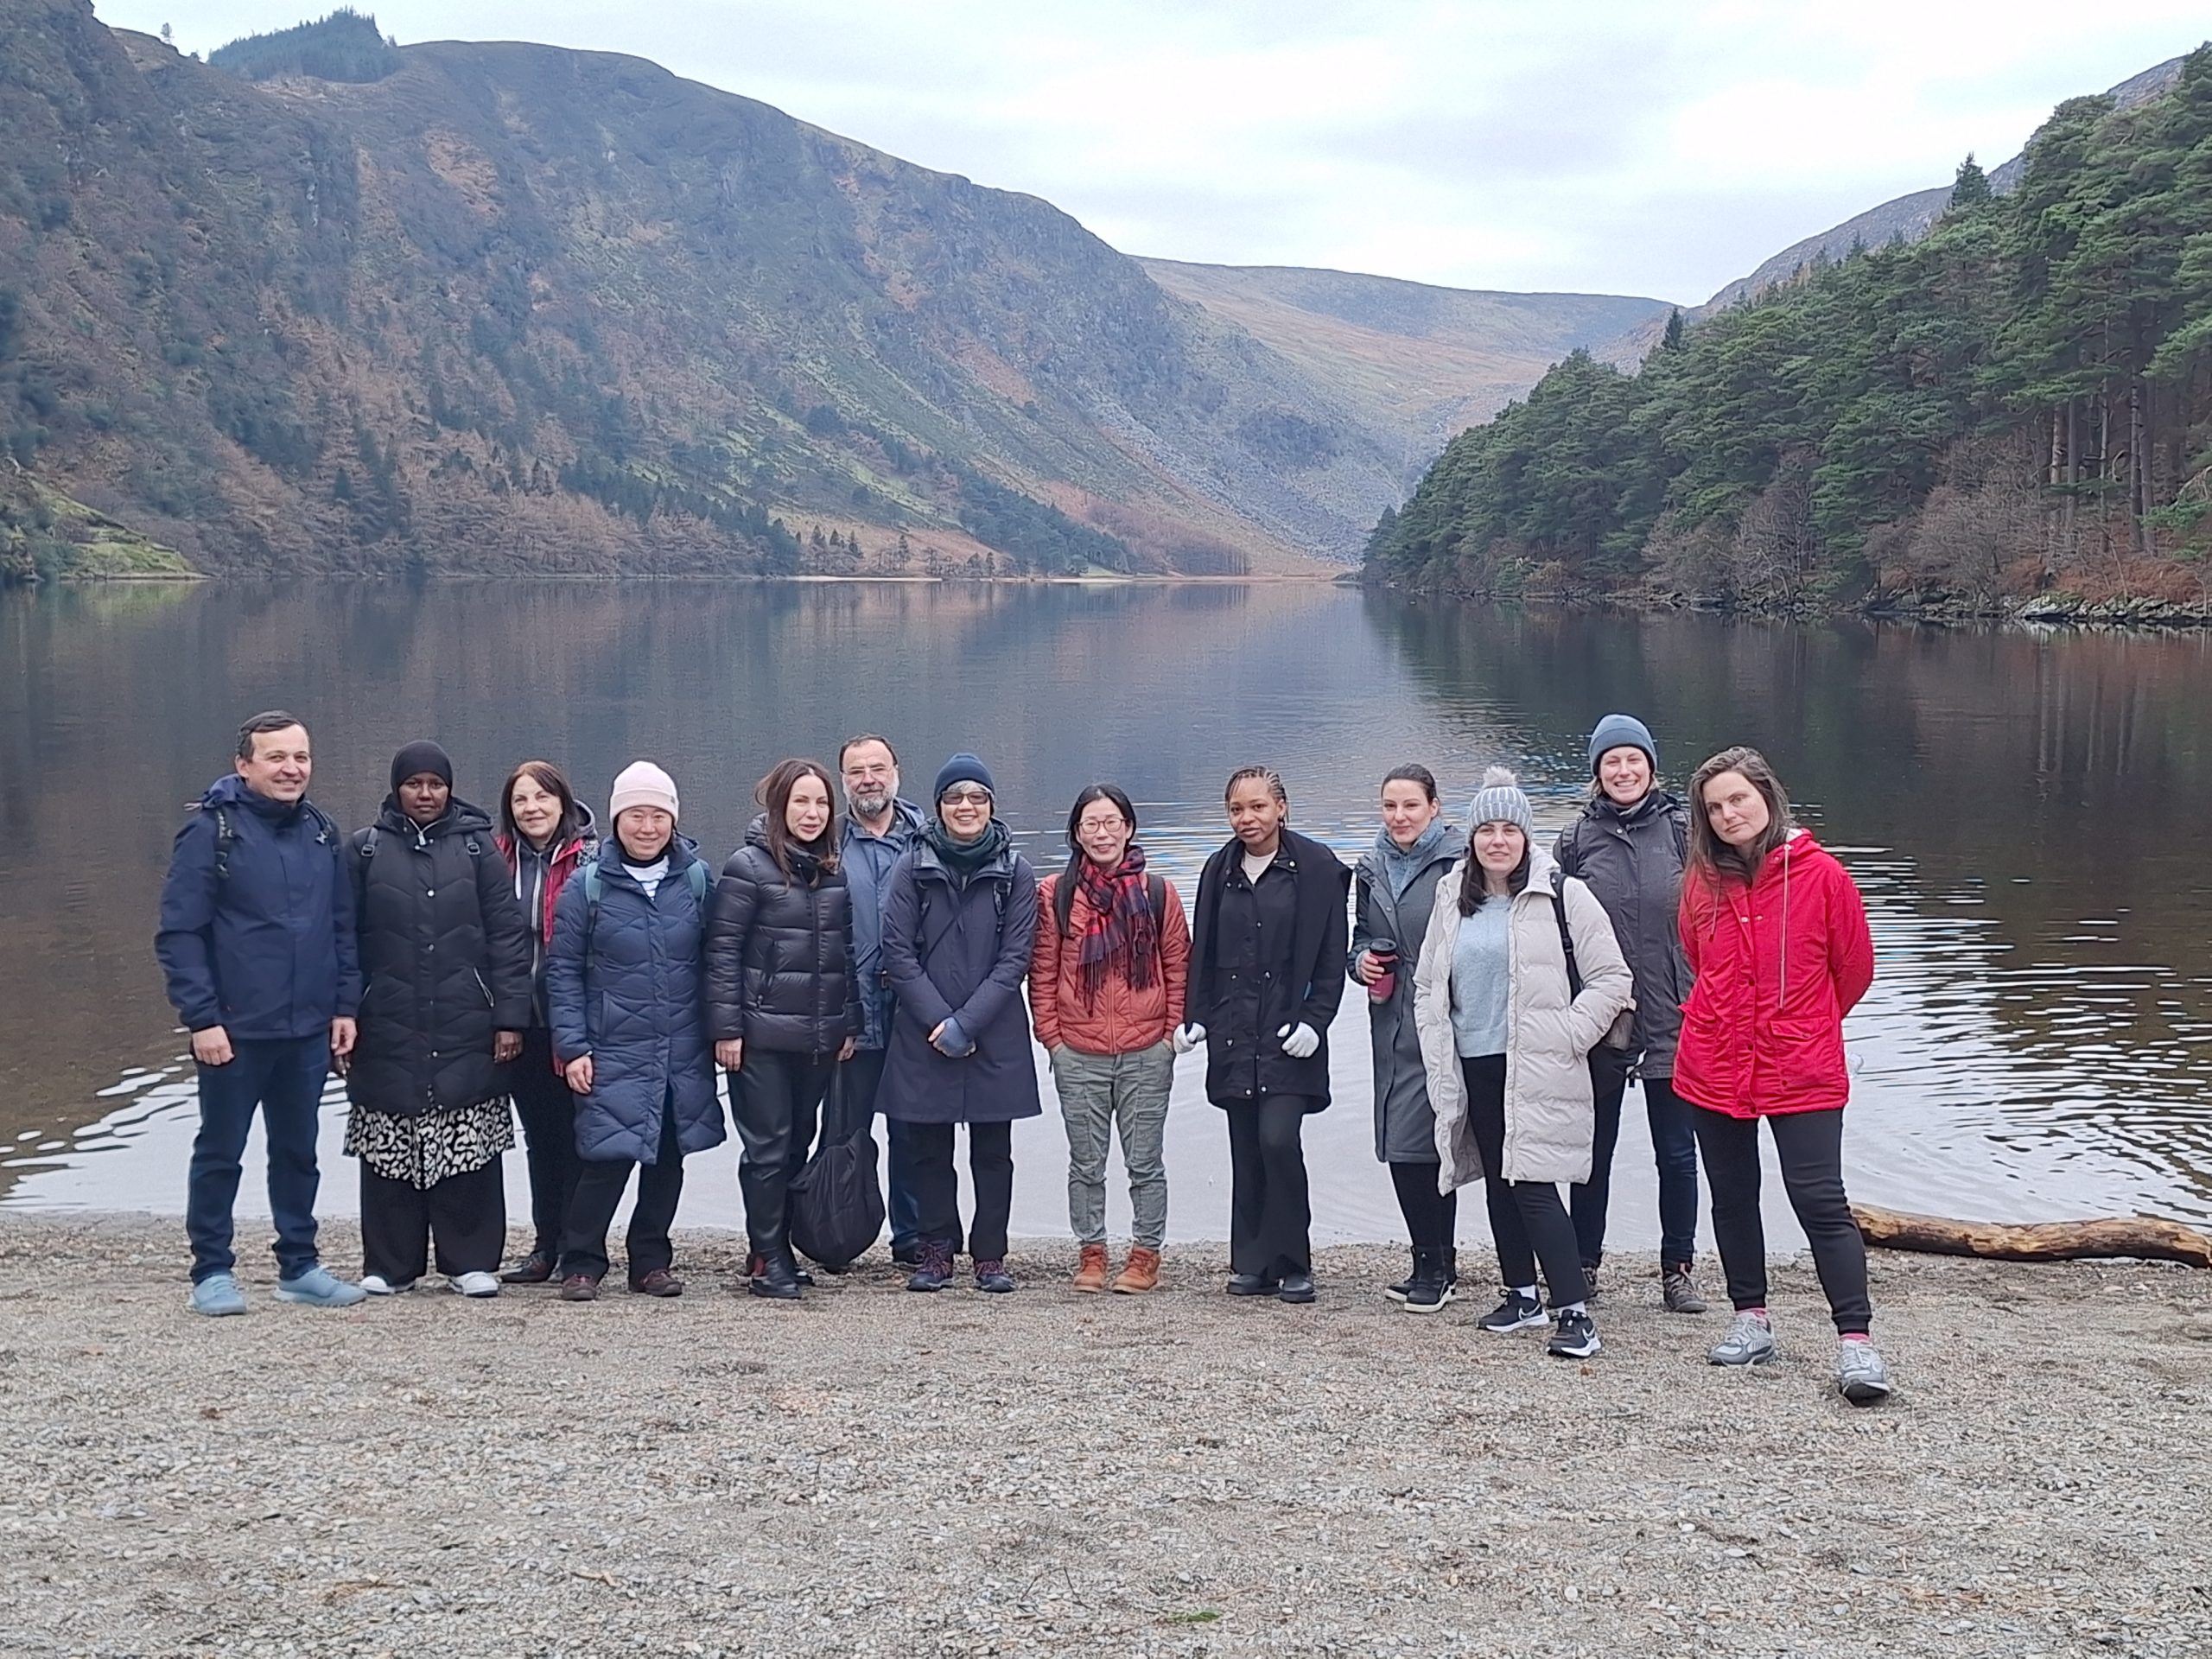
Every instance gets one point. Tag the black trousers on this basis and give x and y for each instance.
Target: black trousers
(921, 1158)
(1527, 1218)
(599, 1193)
(1432, 1217)
(547, 1111)
(1270, 1217)
(464, 1216)
(1811, 1147)
(1673, 1149)
(776, 1100)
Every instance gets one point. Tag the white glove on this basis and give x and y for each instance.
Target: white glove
(1300, 1041)
(1187, 1038)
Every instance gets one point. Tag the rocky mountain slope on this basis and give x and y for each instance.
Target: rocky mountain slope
(507, 307)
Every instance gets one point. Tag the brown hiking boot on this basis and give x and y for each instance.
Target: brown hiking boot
(1138, 1273)
(1090, 1272)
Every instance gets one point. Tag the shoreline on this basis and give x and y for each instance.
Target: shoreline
(872, 1471)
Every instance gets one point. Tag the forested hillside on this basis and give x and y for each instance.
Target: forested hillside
(2020, 402)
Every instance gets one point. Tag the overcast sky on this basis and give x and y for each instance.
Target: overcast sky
(1608, 146)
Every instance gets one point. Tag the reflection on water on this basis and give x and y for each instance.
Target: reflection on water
(2021, 812)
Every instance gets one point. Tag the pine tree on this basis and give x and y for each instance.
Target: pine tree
(1970, 189)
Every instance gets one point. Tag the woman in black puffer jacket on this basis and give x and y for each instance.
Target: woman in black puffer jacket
(445, 964)
(782, 1002)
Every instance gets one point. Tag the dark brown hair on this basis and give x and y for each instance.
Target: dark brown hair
(272, 720)
(1711, 858)
(1267, 775)
(549, 778)
(1412, 773)
(774, 796)
(852, 743)
(1474, 885)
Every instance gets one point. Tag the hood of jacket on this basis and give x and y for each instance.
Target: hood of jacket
(230, 791)
(929, 864)
(1376, 871)
(460, 818)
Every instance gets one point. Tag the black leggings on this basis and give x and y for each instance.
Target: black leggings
(1432, 1217)
(1811, 1147)
(547, 1111)
(1528, 1219)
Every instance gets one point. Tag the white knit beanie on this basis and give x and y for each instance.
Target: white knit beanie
(1500, 800)
(642, 784)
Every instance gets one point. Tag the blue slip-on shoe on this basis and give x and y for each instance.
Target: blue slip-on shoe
(319, 1288)
(217, 1294)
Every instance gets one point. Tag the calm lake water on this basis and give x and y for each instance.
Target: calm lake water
(2026, 814)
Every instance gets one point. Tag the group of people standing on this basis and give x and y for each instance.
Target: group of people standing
(449, 960)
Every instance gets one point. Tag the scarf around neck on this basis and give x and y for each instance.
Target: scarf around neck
(1400, 865)
(966, 859)
(1121, 927)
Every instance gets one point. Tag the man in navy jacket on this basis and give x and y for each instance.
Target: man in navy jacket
(257, 943)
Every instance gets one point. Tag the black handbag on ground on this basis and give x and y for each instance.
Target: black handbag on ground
(835, 1207)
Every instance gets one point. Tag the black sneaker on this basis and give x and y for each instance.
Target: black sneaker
(991, 1275)
(1575, 1337)
(1252, 1284)
(934, 1271)
(1516, 1312)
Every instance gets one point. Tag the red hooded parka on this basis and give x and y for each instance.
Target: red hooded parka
(1778, 965)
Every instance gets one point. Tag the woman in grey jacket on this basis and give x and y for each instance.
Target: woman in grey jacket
(1507, 1020)
(1394, 890)
(1629, 845)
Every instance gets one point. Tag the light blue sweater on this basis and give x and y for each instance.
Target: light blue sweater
(1482, 979)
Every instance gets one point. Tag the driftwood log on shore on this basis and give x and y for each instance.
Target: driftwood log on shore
(2147, 1237)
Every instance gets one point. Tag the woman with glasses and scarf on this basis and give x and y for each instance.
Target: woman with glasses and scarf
(1106, 990)
(959, 923)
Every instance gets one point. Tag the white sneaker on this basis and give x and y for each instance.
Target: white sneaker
(476, 1284)
(377, 1284)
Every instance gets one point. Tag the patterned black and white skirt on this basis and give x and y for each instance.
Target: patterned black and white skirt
(425, 1150)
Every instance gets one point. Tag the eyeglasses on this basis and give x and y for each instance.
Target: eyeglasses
(1100, 826)
(965, 797)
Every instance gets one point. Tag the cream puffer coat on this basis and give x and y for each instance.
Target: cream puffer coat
(1548, 1116)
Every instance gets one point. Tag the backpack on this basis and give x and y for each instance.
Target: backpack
(694, 877)
(226, 836)
(1622, 1032)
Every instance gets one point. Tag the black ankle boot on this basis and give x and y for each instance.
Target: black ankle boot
(1429, 1289)
(1399, 1292)
(775, 1274)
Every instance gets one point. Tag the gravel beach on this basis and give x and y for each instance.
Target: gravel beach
(873, 1472)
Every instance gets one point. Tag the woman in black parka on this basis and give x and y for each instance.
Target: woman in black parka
(1267, 974)
(446, 970)
(782, 1002)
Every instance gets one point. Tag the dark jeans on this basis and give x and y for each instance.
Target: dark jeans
(853, 1104)
(466, 1215)
(1270, 1219)
(1432, 1217)
(1810, 1146)
(776, 1100)
(1527, 1218)
(1674, 1148)
(284, 1079)
(921, 1155)
(547, 1111)
(599, 1193)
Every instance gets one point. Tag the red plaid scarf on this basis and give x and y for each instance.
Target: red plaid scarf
(1120, 925)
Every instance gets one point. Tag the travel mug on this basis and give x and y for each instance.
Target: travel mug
(1386, 952)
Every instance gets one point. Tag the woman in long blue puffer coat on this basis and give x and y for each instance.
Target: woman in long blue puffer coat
(625, 984)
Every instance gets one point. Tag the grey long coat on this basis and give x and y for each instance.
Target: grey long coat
(1549, 1117)
(1632, 861)
(1405, 1127)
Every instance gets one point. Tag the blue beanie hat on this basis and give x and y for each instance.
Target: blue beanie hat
(1621, 732)
(1500, 800)
(963, 768)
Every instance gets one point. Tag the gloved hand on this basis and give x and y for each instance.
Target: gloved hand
(1187, 1038)
(1300, 1041)
(951, 1040)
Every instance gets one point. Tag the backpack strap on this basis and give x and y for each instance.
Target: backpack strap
(1565, 939)
(694, 877)
(225, 838)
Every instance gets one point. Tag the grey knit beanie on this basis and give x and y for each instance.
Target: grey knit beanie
(1500, 800)
(1621, 732)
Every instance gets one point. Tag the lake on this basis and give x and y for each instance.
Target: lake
(2024, 813)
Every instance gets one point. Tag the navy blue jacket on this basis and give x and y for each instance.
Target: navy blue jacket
(629, 989)
(257, 930)
(952, 949)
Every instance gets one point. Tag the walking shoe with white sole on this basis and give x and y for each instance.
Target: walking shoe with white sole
(472, 1284)
(1860, 1377)
(1750, 1341)
(1574, 1337)
(377, 1284)
(1516, 1312)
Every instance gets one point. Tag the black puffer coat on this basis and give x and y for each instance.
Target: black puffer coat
(445, 962)
(779, 952)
